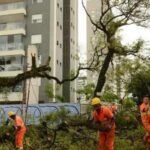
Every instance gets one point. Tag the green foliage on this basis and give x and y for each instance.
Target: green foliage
(49, 93)
(60, 98)
(87, 90)
(73, 134)
(56, 117)
(128, 103)
(126, 120)
(140, 84)
(109, 97)
(49, 90)
(130, 139)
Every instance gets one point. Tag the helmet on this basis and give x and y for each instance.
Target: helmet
(11, 113)
(95, 101)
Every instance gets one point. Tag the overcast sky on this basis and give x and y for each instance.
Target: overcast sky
(82, 28)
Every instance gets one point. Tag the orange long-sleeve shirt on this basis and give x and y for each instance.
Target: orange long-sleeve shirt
(105, 114)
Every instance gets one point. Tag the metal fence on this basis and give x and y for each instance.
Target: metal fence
(36, 112)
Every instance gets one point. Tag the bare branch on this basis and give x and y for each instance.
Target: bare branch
(94, 23)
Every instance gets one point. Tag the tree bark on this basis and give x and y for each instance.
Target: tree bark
(102, 74)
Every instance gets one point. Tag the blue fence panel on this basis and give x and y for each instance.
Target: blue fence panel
(2, 115)
(35, 112)
(13, 108)
(33, 115)
(45, 109)
(72, 109)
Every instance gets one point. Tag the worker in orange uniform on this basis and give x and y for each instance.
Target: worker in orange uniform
(145, 116)
(104, 117)
(20, 129)
(113, 108)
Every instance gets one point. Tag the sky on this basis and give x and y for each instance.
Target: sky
(129, 34)
(133, 32)
(82, 29)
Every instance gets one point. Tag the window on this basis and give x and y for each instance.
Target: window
(57, 5)
(11, 42)
(60, 27)
(11, 63)
(36, 39)
(37, 1)
(18, 39)
(11, 39)
(57, 23)
(37, 18)
(3, 39)
(57, 42)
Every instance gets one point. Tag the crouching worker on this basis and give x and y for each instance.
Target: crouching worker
(104, 117)
(20, 129)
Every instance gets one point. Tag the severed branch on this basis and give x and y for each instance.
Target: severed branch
(38, 72)
(33, 73)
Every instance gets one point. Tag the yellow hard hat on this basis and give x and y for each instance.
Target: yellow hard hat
(95, 101)
(11, 113)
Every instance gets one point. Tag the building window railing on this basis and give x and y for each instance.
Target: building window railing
(12, 26)
(12, 6)
(11, 67)
(11, 46)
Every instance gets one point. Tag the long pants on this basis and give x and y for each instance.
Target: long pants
(19, 138)
(106, 140)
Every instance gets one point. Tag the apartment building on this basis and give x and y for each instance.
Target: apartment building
(70, 48)
(12, 48)
(25, 24)
(93, 8)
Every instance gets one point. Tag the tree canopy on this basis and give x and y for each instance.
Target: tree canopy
(114, 14)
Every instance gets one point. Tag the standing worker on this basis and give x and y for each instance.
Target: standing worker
(145, 117)
(20, 129)
(104, 118)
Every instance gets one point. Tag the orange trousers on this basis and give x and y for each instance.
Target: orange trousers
(19, 138)
(106, 140)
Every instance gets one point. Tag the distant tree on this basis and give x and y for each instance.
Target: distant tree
(115, 14)
(119, 76)
(140, 84)
(49, 92)
(109, 97)
(87, 90)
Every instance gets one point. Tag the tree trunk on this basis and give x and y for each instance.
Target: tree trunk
(102, 74)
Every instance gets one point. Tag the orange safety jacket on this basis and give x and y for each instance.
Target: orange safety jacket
(145, 115)
(19, 122)
(105, 114)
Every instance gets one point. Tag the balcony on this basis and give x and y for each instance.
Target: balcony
(11, 96)
(12, 12)
(12, 28)
(11, 66)
(10, 1)
(12, 49)
(10, 70)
